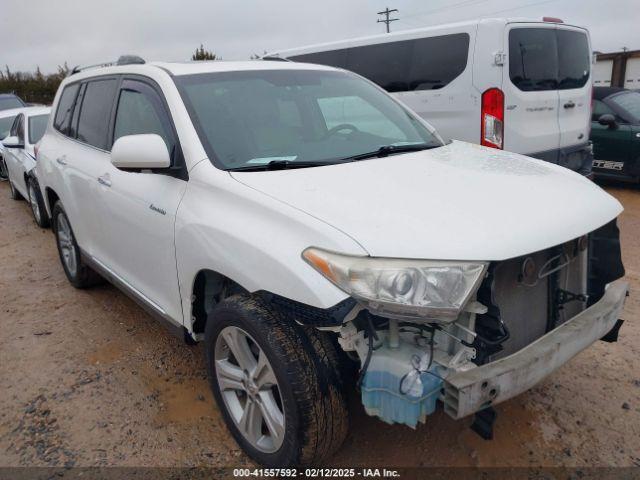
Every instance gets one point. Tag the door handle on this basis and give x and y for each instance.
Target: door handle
(104, 180)
(569, 104)
(61, 160)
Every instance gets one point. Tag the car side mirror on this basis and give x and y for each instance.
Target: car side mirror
(12, 142)
(608, 120)
(147, 151)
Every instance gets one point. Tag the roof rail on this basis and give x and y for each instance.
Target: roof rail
(123, 60)
(275, 58)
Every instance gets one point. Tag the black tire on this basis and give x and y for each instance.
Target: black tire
(13, 193)
(82, 276)
(4, 174)
(304, 363)
(36, 203)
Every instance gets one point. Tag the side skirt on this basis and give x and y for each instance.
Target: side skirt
(147, 305)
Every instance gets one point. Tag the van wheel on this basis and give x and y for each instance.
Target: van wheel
(15, 194)
(79, 274)
(37, 203)
(276, 384)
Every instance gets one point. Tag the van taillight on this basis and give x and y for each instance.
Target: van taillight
(492, 118)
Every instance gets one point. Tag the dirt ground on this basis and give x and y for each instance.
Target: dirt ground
(88, 379)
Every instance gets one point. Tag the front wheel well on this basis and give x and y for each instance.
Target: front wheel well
(209, 289)
(51, 198)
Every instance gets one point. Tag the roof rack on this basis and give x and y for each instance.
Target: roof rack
(123, 60)
(275, 58)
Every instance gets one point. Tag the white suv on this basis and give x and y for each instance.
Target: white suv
(296, 218)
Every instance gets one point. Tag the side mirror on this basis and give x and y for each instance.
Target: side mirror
(12, 142)
(146, 151)
(608, 120)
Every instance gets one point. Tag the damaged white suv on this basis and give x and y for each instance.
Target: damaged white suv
(299, 220)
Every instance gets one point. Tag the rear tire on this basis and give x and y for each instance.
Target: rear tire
(312, 403)
(13, 193)
(37, 203)
(4, 175)
(79, 274)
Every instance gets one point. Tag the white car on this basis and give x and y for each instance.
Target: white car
(228, 199)
(7, 117)
(516, 84)
(19, 158)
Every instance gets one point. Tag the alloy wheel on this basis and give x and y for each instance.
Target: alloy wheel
(249, 388)
(33, 201)
(65, 242)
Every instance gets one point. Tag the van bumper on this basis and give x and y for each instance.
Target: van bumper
(578, 158)
(474, 390)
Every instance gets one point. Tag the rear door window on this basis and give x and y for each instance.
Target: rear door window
(533, 58)
(574, 59)
(95, 112)
(548, 59)
(65, 109)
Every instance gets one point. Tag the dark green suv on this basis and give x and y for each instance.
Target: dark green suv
(615, 133)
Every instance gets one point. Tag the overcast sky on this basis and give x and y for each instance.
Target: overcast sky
(49, 32)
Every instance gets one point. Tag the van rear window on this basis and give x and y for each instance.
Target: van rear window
(548, 59)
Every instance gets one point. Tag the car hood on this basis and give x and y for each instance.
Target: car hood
(457, 202)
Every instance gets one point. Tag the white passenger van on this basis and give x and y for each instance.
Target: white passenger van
(518, 85)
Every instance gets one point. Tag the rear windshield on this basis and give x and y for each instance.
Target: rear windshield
(37, 126)
(548, 59)
(10, 102)
(5, 126)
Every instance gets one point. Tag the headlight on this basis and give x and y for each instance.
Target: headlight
(412, 289)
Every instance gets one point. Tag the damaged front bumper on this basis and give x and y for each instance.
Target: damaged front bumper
(470, 391)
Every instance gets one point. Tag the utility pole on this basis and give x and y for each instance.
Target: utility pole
(387, 20)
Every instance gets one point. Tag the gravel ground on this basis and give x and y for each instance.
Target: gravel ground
(88, 379)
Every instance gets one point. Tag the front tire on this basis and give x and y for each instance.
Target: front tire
(79, 274)
(37, 203)
(275, 383)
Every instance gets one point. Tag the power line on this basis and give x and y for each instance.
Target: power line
(473, 3)
(520, 7)
(388, 20)
(465, 3)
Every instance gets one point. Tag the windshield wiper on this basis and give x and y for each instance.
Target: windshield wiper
(277, 165)
(388, 150)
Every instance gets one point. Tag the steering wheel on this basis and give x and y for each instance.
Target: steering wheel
(339, 128)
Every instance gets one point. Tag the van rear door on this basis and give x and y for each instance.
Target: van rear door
(574, 88)
(531, 96)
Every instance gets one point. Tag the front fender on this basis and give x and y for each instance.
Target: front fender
(253, 239)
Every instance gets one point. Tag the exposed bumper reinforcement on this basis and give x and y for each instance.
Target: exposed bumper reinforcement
(473, 390)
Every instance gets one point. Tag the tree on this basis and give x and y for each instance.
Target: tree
(33, 87)
(202, 54)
